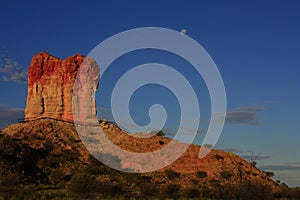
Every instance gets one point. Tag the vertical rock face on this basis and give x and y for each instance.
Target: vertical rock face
(50, 86)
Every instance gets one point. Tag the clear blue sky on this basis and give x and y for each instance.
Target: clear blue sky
(256, 46)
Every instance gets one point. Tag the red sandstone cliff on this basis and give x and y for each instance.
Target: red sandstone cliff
(51, 85)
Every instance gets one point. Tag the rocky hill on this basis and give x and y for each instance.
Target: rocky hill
(46, 151)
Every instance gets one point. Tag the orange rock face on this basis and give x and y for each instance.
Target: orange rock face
(51, 85)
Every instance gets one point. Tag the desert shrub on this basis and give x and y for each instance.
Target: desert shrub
(201, 174)
(56, 176)
(192, 193)
(252, 191)
(195, 181)
(96, 169)
(206, 192)
(109, 189)
(144, 179)
(28, 191)
(269, 174)
(54, 195)
(172, 174)
(83, 183)
(224, 192)
(149, 190)
(285, 192)
(253, 163)
(219, 157)
(282, 192)
(8, 148)
(294, 193)
(244, 191)
(214, 182)
(161, 142)
(160, 133)
(170, 190)
(10, 179)
(226, 174)
(254, 173)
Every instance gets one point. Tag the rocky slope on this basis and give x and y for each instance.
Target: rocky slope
(35, 150)
(217, 165)
(32, 151)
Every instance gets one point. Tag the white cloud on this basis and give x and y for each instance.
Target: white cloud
(246, 115)
(12, 71)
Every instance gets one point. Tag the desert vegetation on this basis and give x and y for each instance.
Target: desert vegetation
(96, 181)
(46, 160)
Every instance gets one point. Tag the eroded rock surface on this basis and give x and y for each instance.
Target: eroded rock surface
(51, 86)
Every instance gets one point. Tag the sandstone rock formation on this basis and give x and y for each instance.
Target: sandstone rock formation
(50, 151)
(51, 86)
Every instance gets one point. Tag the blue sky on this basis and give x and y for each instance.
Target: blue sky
(255, 45)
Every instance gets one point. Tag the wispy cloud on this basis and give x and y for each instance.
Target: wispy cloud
(247, 154)
(289, 166)
(232, 150)
(188, 130)
(10, 115)
(247, 115)
(255, 157)
(11, 70)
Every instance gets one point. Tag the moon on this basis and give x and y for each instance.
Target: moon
(183, 32)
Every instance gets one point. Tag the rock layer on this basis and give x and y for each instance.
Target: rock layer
(51, 85)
